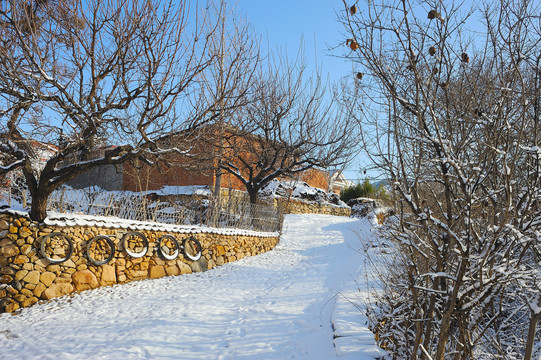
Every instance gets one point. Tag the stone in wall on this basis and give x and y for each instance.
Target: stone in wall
(57, 290)
(199, 265)
(108, 275)
(84, 280)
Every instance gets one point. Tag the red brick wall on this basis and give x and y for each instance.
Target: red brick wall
(231, 182)
(153, 178)
(184, 172)
(316, 178)
(178, 170)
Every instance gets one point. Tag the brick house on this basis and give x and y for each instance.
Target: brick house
(177, 169)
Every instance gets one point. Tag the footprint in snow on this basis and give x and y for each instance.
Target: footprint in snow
(8, 334)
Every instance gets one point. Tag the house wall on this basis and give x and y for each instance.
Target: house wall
(229, 182)
(336, 189)
(135, 178)
(316, 178)
(152, 178)
(107, 177)
(175, 168)
(338, 182)
(26, 277)
(181, 170)
(237, 148)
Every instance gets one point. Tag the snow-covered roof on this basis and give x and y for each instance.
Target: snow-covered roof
(339, 180)
(301, 191)
(201, 190)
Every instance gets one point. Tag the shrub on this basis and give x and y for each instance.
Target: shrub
(366, 189)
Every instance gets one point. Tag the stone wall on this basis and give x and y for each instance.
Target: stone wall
(294, 206)
(26, 277)
(291, 206)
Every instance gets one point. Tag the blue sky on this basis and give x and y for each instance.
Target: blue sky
(285, 23)
(288, 23)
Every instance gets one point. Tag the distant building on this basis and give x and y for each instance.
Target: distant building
(337, 181)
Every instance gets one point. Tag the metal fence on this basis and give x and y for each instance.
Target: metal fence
(228, 212)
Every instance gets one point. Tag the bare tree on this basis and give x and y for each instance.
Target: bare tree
(227, 86)
(453, 122)
(290, 125)
(128, 70)
(238, 55)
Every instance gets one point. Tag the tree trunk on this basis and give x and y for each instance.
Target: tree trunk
(253, 193)
(531, 336)
(37, 186)
(38, 210)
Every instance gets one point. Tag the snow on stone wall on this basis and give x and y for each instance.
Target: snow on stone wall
(294, 206)
(26, 276)
(297, 197)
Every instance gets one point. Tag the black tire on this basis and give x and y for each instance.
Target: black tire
(129, 251)
(175, 253)
(192, 248)
(111, 245)
(43, 247)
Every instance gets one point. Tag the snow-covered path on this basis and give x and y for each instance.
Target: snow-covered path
(277, 305)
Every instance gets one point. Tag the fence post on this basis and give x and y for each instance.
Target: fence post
(109, 206)
(61, 205)
(144, 212)
(90, 206)
(214, 212)
(156, 210)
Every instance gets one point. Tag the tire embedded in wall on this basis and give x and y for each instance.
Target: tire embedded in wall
(192, 248)
(56, 241)
(165, 243)
(96, 241)
(135, 244)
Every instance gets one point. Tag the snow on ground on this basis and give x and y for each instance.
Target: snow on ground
(277, 305)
